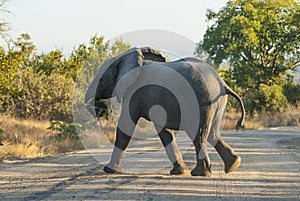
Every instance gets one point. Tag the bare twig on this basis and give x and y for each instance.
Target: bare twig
(4, 26)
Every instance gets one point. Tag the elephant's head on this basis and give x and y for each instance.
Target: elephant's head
(111, 71)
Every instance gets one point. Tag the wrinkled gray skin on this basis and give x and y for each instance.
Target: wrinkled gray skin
(145, 83)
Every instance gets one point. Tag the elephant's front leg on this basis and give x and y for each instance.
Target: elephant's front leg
(122, 140)
(124, 132)
(173, 153)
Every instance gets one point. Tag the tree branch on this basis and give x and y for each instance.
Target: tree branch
(244, 57)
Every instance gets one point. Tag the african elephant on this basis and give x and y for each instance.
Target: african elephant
(186, 94)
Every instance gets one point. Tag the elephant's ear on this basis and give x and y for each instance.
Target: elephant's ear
(151, 54)
(129, 60)
(132, 61)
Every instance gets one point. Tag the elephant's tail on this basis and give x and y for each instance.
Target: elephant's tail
(240, 123)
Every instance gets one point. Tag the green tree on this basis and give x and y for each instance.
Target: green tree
(17, 57)
(118, 47)
(292, 93)
(258, 39)
(94, 55)
(48, 62)
(41, 86)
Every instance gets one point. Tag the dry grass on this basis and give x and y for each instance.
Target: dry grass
(232, 118)
(291, 117)
(30, 139)
(100, 135)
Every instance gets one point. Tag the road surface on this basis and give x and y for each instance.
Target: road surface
(270, 170)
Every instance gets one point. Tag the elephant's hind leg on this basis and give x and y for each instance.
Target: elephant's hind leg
(199, 138)
(173, 153)
(231, 160)
(203, 166)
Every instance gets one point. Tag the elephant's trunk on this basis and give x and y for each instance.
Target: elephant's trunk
(90, 105)
(96, 108)
(94, 105)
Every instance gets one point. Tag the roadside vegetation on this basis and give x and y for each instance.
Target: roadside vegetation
(23, 138)
(37, 96)
(255, 46)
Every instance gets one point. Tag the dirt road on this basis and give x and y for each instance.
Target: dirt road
(270, 170)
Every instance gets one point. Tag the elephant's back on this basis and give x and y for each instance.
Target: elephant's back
(203, 78)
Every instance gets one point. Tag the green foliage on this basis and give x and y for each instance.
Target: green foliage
(268, 98)
(118, 47)
(227, 76)
(260, 40)
(12, 63)
(27, 88)
(43, 97)
(292, 93)
(40, 86)
(49, 63)
(275, 101)
(66, 131)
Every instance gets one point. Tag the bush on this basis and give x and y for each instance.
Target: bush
(253, 101)
(66, 131)
(43, 97)
(268, 98)
(292, 93)
(275, 100)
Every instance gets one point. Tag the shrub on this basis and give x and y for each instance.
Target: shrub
(253, 101)
(268, 98)
(275, 101)
(43, 97)
(292, 93)
(66, 131)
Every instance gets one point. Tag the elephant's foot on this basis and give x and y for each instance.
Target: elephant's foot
(110, 170)
(203, 168)
(197, 171)
(177, 170)
(231, 160)
(233, 164)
